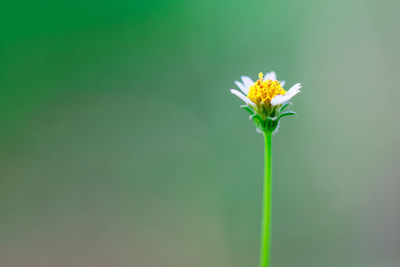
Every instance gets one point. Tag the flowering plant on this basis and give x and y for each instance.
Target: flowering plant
(267, 102)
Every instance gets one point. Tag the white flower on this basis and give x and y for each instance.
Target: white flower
(272, 88)
(266, 100)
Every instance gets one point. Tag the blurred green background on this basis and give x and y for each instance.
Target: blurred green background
(120, 144)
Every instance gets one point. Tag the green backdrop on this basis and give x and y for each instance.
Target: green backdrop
(120, 144)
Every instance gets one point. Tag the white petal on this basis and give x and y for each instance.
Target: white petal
(280, 99)
(270, 76)
(241, 96)
(282, 83)
(247, 81)
(294, 88)
(242, 87)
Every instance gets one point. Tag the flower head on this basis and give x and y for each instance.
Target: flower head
(263, 91)
(266, 100)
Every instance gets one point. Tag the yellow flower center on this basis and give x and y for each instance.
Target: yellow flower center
(262, 91)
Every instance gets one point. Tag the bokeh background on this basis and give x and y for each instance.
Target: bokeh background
(120, 144)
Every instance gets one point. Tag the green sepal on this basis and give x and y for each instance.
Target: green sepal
(256, 117)
(248, 109)
(287, 113)
(283, 107)
(268, 124)
(258, 121)
(271, 123)
(272, 119)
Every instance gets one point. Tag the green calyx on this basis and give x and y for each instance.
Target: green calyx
(268, 122)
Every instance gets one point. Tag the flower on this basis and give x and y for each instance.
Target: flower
(266, 100)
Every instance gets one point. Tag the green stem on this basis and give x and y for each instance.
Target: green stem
(267, 199)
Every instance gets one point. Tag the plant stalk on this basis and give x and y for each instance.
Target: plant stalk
(266, 207)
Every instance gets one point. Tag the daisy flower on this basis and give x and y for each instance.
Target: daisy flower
(266, 100)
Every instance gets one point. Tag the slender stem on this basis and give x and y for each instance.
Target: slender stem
(267, 199)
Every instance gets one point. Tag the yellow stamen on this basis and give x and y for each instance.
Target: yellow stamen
(263, 91)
